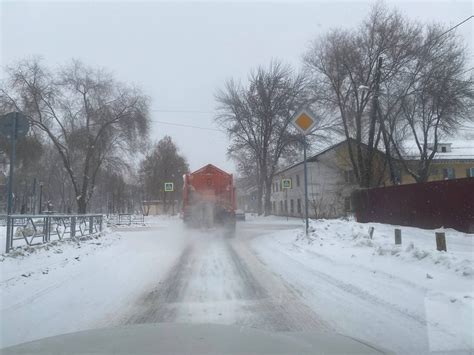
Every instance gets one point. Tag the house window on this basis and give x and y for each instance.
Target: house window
(297, 181)
(286, 206)
(443, 149)
(292, 206)
(448, 173)
(349, 176)
(398, 176)
(347, 204)
(298, 205)
(470, 172)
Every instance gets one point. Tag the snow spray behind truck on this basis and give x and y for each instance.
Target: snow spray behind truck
(209, 198)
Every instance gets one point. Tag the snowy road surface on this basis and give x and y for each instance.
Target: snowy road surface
(262, 278)
(218, 280)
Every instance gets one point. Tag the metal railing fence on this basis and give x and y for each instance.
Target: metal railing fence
(38, 229)
(125, 219)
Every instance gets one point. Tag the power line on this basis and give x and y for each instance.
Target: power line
(454, 27)
(183, 111)
(187, 126)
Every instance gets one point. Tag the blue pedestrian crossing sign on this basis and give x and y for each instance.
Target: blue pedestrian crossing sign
(169, 187)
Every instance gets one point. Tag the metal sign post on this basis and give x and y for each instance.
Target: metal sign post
(169, 187)
(305, 185)
(12, 125)
(304, 121)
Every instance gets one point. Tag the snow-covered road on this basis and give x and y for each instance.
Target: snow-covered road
(262, 278)
(218, 280)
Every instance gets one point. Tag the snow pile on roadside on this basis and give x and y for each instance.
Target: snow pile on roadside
(417, 244)
(25, 261)
(67, 287)
(409, 298)
(54, 246)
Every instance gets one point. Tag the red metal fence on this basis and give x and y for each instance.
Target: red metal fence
(448, 203)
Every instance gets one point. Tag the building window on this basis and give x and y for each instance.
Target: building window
(349, 176)
(286, 206)
(281, 207)
(448, 173)
(297, 181)
(298, 206)
(347, 204)
(470, 172)
(292, 206)
(443, 149)
(273, 207)
(398, 176)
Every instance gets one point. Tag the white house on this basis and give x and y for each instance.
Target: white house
(330, 184)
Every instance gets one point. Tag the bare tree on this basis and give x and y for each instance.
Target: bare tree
(92, 120)
(440, 99)
(343, 61)
(163, 164)
(257, 118)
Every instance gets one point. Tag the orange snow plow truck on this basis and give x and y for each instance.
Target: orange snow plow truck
(209, 198)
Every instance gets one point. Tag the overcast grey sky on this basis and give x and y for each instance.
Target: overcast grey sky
(180, 53)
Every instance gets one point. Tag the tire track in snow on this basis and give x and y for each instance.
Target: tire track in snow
(277, 307)
(357, 292)
(156, 306)
(218, 280)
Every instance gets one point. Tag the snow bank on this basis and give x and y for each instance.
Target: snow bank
(409, 298)
(418, 245)
(70, 286)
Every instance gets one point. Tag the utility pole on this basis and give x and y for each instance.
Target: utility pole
(41, 199)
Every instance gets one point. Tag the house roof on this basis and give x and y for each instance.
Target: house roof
(460, 149)
(314, 157)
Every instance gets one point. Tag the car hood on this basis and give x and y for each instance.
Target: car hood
(175, 338)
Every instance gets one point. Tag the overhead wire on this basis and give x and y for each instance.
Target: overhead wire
(183, 111)
(188, 126)
(454, 27)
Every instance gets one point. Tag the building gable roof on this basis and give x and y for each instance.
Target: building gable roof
(314, 157)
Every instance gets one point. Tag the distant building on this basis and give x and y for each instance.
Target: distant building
(246, 194)
(331, 181)
(331, 178)
(452, 160)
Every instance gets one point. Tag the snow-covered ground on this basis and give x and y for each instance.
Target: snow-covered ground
(71, 286)
(409, 298)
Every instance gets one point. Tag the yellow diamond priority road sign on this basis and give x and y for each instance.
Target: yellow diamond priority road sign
(304, 121)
